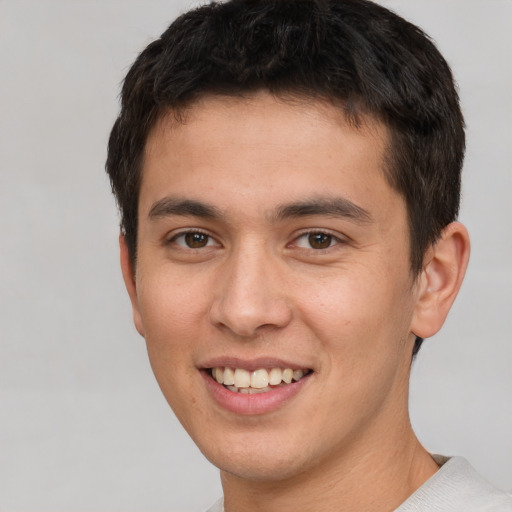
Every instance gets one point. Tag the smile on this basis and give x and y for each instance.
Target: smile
(239, 380)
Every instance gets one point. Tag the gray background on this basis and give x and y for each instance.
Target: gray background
(83, 424)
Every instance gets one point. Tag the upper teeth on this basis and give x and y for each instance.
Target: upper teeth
(257, 379)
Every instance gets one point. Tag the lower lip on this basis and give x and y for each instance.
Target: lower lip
(257, 403)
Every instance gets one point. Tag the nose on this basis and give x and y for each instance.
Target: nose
(251, 296)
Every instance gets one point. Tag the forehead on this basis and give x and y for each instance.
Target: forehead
(231, 149)
(263, 114)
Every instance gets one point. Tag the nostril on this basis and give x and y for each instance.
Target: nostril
(249, 321)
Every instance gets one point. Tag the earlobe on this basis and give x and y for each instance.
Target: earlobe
(129, 281)
(440, 280)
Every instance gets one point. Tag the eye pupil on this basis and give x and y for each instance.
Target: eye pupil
(196, 240)
(319, 240)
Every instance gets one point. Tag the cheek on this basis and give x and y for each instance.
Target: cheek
(171, 305)
(360, 316)
(173, 316)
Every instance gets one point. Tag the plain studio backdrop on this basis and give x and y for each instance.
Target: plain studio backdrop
(84, 426)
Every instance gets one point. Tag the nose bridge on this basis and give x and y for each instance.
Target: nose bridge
(250, 295)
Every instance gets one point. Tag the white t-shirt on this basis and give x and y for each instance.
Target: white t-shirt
(455, 487)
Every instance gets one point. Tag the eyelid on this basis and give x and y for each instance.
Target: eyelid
(171, 238)
(337, 237)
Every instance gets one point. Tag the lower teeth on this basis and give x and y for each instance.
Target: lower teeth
(251, 391)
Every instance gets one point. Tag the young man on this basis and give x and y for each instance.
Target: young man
(288, 174)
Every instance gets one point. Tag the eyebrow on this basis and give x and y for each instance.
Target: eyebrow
(333, 207)
(169, 206)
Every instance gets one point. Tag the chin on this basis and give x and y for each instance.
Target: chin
(263, 458)
(261, 468)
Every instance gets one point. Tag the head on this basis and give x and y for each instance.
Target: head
(242, 128)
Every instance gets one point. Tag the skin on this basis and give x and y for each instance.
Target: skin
(256, 287)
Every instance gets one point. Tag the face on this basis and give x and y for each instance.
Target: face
(273, 283)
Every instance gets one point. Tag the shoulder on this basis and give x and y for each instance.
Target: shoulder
(457, 487)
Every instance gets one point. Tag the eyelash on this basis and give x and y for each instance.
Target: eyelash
(177, 236)
(332, 240)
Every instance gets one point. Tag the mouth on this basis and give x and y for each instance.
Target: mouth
(262, 380)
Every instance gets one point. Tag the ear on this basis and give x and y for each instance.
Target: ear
(129, 282)
(440, 280)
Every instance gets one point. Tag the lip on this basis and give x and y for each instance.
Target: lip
(254, 404)
(252, 364)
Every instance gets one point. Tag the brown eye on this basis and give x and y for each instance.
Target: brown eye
(196, 240)
(320, 240)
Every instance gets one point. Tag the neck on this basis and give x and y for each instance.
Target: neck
(374, 479)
